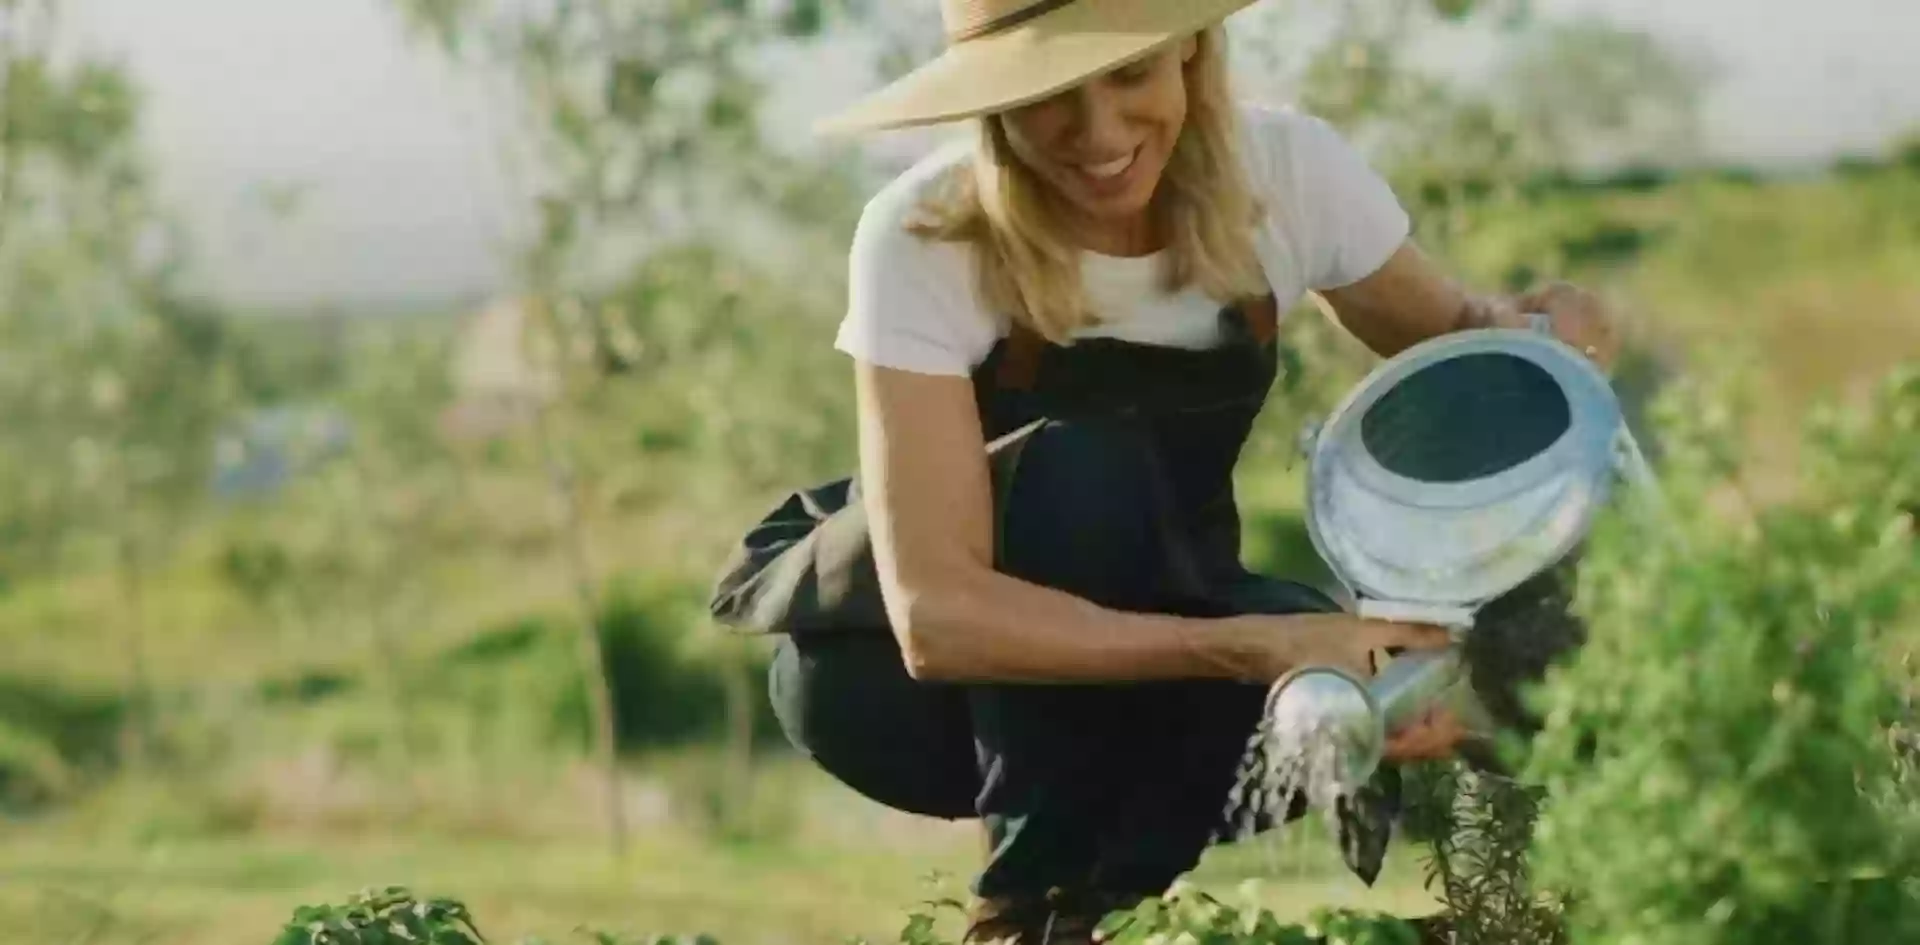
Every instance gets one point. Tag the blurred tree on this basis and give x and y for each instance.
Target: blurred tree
(113, 380)
(645, 135)
(1587, 92)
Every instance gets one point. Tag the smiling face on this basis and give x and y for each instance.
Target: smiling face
(1102, 146)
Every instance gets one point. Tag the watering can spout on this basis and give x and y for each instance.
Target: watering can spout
(1352, 719)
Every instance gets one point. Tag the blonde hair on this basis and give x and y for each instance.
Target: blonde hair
(1026, 263)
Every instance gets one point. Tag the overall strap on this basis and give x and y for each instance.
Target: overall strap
(1262, 318)
(1020, 367)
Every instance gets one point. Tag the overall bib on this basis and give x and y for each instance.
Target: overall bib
(1112, 466)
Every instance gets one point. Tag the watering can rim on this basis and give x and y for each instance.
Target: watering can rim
(1585, 452)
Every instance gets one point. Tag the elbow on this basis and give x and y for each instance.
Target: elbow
(930, 624)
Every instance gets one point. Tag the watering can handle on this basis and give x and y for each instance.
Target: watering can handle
(1413, 683)
(1451, 617)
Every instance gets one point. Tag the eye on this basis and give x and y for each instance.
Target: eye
(1131, 74)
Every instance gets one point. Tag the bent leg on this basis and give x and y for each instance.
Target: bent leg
(845, 700)
(1115, 788)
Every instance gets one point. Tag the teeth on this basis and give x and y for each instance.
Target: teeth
(1113, 168)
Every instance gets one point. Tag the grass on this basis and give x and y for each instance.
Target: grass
(853, 869)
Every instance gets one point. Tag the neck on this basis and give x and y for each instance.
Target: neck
(1135, 236)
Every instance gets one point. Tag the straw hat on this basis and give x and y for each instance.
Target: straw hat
(1002, 54)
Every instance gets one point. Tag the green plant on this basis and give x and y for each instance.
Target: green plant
(394, 916)
(389, 916)
(1188, 916)
(1716, 756)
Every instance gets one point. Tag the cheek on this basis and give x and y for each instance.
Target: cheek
(1162, 122)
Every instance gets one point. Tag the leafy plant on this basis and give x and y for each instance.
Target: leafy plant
(394, 916)
(1716, 756)
(389, 916)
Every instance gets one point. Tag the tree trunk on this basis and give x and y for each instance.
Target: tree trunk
(566, 491)
(379, 605)
(140, 707)
(9, 137)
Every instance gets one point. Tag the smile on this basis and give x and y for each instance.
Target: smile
(1109, 170)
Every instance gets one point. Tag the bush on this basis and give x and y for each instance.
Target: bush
(393, 916)
(50, 737)
(1706, 754)
(667, 692)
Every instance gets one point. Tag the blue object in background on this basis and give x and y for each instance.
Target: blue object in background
(267, 449)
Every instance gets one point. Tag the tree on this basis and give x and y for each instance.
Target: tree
(643, 133)
(1586, 93)
(113, 380)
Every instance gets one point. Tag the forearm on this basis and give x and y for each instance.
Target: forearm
(1410, 300)
(989, 626)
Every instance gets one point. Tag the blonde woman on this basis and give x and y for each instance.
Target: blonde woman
(1030, 609)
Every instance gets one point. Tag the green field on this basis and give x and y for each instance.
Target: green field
(139, 875)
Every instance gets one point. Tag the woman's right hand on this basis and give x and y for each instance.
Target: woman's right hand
(1277, 645)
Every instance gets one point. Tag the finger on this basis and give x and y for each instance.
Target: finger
(1413, 746)
(1412, 636)
(1542, 298)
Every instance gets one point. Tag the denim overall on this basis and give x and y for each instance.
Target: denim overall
(1112, 469)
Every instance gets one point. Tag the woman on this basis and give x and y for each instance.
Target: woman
(1061, 334)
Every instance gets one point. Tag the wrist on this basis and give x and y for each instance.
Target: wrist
(1229, 648)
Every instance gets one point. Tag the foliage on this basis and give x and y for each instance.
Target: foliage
(1716, 757)
(1479, 828)
(392, 916)
(51, 737)
(665, 692)
(1185, 916)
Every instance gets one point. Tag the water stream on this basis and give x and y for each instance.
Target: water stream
(1295, 751)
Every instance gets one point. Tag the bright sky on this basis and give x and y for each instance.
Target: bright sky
(407, 196)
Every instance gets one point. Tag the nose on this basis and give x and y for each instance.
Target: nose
(1099, 126)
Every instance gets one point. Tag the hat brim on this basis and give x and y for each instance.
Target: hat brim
(1045, 55)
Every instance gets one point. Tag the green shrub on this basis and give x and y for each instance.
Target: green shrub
(51, 736)
(393, 916)
(1706, 754)
(666, 691)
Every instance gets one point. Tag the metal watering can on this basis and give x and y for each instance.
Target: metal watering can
(1453, 473)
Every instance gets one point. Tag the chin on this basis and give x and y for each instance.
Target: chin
(1124, 206)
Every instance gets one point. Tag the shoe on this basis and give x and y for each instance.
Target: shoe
(1060, 918)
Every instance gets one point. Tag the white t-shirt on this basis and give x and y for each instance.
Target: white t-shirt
(913, 305)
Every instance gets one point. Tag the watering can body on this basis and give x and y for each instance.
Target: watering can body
(1457, 471)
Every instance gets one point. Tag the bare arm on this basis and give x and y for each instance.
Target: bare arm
(1410, 299)
(924, 478)
(925, 483)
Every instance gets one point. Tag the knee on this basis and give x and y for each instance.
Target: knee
(1084, 512)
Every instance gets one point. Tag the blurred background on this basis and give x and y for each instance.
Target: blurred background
(384, 382)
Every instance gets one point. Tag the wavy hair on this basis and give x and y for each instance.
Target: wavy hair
(1026, 263)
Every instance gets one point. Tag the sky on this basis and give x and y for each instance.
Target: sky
(405, 196)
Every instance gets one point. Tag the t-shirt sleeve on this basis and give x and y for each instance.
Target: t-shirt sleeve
(911, 303)
(1341, 213)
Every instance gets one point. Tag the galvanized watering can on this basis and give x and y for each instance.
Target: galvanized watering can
(1455, 472)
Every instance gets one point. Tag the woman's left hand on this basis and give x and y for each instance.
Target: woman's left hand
(1579, 318)
(1435, 737)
